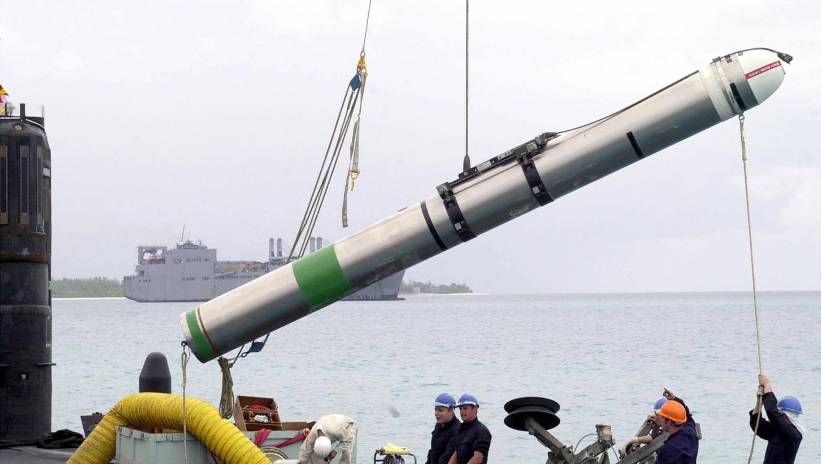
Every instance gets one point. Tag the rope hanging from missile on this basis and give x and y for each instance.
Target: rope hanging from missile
(184, 357)
(752, 272)
(226, 407)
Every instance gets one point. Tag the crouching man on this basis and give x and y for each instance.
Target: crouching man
(332, 435)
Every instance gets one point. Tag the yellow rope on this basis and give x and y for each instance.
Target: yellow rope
(752, 271)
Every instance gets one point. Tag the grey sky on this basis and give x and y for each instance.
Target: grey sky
(216, 114)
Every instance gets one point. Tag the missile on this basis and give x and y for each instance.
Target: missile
(485, 196)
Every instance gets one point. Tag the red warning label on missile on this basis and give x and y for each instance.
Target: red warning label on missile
(762, 69)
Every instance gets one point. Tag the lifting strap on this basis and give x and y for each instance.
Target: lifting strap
(353, 162)
(534, 180)
(455, 215)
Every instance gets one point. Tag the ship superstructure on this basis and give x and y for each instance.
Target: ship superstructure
(191, 272)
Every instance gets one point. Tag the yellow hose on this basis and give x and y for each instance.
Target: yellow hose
(165, 411)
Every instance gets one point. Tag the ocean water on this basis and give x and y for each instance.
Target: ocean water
(604, 358)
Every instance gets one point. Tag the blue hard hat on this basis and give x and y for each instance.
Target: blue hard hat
(659, 404)
(446, 400)
(467, 399)
(791, 404)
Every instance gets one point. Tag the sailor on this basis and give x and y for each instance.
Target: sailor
(674, 418)
(472, 442)
(446, 427)
(329, 430)
(784, 430)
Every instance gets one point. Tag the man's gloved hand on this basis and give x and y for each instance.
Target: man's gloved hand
(626, 448)
(764, 381)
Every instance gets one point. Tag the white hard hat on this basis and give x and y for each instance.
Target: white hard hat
(322, 447)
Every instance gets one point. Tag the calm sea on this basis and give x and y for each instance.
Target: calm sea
(604, 358)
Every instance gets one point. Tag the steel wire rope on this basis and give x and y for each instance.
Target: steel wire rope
(367, 22)
(319, 191)
(314, 207)
(321, 200)
(784, 56)
(611, 115)
(325, 174)
(576, 448)
(319, 175)
(466, 160)
(329, 172)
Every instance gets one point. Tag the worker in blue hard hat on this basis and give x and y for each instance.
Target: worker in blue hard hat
(784, 430)
(472, 442)
(445, 429)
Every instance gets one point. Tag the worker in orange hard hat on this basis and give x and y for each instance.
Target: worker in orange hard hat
(673, 417)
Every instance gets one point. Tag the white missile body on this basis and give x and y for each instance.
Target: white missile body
(486, 196)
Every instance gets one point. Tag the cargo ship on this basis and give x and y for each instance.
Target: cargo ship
(191, 272)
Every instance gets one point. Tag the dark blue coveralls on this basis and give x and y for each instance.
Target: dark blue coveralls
(783, 438)
(682, 446)
(439, 440)
(473, 436)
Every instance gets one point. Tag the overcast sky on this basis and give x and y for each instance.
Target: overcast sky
(215, 115)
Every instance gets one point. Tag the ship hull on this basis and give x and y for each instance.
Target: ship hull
(144, 292)
(191, 273)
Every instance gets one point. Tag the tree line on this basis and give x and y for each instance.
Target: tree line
(94, 287)
(413, 286)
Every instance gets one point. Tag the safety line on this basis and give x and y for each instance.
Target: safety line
(752, 271)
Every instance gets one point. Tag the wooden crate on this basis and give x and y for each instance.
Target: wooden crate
(244, 415)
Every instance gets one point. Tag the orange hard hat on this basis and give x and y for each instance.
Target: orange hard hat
(674, 411)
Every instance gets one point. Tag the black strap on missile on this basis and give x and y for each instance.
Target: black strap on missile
(431, 228)
(737, 96)
(635, 144)
(454, 212)
(534, 180)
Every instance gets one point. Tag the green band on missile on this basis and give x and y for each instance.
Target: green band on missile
(320, 278)
(203, 348)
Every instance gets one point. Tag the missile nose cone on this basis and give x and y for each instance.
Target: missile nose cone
(763, 70)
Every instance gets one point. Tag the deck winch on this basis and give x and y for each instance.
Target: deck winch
(537, 416)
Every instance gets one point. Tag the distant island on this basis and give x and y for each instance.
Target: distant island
(413, 286)
(102, 287)
(94, 287)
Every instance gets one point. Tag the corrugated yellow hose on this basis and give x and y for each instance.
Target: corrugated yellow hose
(165, 411)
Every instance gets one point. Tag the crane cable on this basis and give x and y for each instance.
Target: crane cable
(752, 272)
(466, 160)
